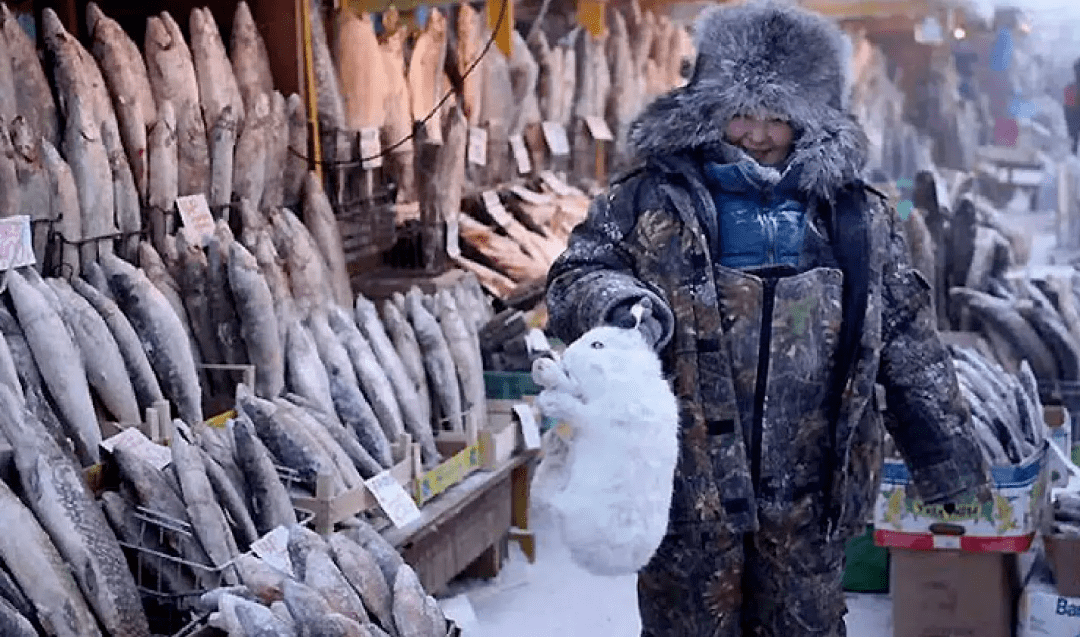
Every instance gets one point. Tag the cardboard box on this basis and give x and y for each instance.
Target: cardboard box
(1064, 557)
(1007, 524)
(953, 594)
(1043, 611)
(1060, 424)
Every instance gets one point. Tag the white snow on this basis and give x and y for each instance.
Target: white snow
(554, 596)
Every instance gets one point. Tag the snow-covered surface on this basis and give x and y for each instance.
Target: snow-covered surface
(555, 597)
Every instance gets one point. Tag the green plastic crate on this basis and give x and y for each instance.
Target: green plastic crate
(509, 385)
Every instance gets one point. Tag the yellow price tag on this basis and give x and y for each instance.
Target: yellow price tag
(220, 420)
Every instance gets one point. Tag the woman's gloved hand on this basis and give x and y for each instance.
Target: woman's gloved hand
(637, 313)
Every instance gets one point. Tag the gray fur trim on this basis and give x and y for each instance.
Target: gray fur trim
(761, 58)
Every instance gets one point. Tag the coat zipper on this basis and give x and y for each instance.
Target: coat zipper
(761, 383)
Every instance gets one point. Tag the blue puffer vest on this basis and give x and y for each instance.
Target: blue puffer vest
(760, 223)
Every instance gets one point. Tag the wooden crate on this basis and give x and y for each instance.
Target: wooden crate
(328, 510)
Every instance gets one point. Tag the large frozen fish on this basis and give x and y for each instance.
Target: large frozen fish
(10, 194)
(276, 139)
(346, 438)
(305, 373)
(59, 497)
(154, 267)
(129, 86)
(33, 386)
(403, 336)
(33, 95)
(416, 614)
(309, 425)
(64, 202)
(321, 574)
(287, 441)
(1049, 325)
(130, 529)
(320, 221)
(14, 595)
(250, 61)
(466, 355)
(437, 359)
(161, 333)
(331, 104)
(249, 165)
(105, 368)
(1002, 316)
(308, 276)
(271, 506)
(415, 418)
(33, 178)
(296, 165)
(387, 557)
(13, 623)
(60, 363)
(173, 79)
(207, 519)
(311, 610)
(376, 387)
(213, 71)
(258, 323)
(222, 148)
(39, 570)
(9, 375)
(222, 307)
(265, 581)
(163, 159)
(349, 402)
(230, 496)
(147, 389)
(193, 284)
(363, 573)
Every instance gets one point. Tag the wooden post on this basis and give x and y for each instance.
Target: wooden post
(519, 485)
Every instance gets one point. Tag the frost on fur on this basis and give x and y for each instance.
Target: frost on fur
(609, 484)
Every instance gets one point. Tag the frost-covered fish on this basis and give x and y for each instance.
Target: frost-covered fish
(386, 556)
(222, 148)
(161, 333)
(271, 506)
(289, 443)
(32, 92)
(405, 344)
(296, 167)
(145, 383)
(105, 369)
(1002, 316)
(163, 159)
(258, 322)
(415, 418)
(361, 458)
(276, 139)
(373, 381)
(305, 374)
(249, 164)
(250, 61)
(39, 570)
(213, 71)
(207, 519)
(128, 84)
(129, 529)
(308, 279)
(13, 623)
(363, 573)
(437, 359)
(223, 314)
(232, 501)
(59, 361)
(312, 611)
(465, 353)
(320, 221)
(64, 203)
(9, 375)
(60, 499)
(10, 194)
(321, 574)
(265, 581)
(416, 614)
(306, 422)
(349, 401)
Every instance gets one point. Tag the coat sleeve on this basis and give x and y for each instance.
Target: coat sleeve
(931, 424)
(596, 273)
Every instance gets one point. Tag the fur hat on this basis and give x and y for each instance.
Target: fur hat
(764, 58)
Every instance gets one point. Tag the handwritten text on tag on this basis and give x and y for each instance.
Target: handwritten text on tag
(16, 244)
(195, 213)
(392, 497)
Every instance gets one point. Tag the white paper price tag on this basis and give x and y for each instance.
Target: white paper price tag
(273, 548)
(453, 246)
(530, 196)
(558, 186)
(555, 136)
(195, 213)
(478, 140)
(599, 129)
(521, 154)
(16, 242)
(530, 430)
(370, 148)
(495, 208)
(392, 497)
(134, 441)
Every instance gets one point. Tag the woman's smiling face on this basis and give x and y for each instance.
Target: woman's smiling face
(768, 141)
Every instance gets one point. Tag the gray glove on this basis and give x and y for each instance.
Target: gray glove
(623, 316)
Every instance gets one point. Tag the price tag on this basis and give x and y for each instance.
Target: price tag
(392, 497)
(370, 148)
(555, 136)
(495, 208)
(530, 429)
(521, 154)
(453, 247)
(198, 222)
(598, 128)
(16, 242)
(134, 441)
(947, 542)
(273, 548)
(557, 185)
(478, 146)
(530, 196)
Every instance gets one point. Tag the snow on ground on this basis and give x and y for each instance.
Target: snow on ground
(555, 597)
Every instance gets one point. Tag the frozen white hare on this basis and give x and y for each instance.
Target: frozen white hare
(610, 484)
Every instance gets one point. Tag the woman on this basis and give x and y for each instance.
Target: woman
(780, 297)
